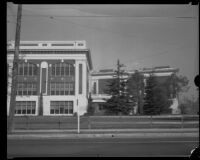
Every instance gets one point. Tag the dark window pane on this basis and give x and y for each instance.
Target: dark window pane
(24, 111)
(30, 70)
(28, 111)
(94, 88)
(57, 93)
(62, 70)
(66, 92)
(52, 92)
(71, 70)
(33, 111)
(70, 111)
(61, 110)
(19, 111)
(35, 70)
(52, 111)
(20, 93)
(57, 111)
(44, 80)
(71, 92)
(61, 92)
(53, 70)
(80, 78)
(20, 69)
(70, 107)
(67, 70)
(66, 111)
(58, 70)
(25, 92)
(34, 92)
(25, 69)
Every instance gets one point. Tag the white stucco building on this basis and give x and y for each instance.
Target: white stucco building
(52, 75)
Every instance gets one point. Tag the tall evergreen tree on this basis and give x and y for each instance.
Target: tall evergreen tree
(162, 101)
(135, 87)
(150, 107)
(156, 100)
(120, 102)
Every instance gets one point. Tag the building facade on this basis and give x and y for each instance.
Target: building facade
(101, 79)
(56, 77)
(52, 79)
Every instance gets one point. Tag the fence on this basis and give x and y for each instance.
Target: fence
(106, 122)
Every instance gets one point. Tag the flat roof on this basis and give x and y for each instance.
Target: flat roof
(61, 51)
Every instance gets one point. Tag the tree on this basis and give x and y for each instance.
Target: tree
(189, 106)
(135, 87)
(157, 99)
(161, 100)
(179, 85)
(150, 107)
(120, 102)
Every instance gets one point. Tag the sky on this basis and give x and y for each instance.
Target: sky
(138, 35)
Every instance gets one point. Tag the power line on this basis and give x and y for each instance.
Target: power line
(107, 16)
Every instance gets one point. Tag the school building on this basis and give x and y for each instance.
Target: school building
(56, 77)
(53, 76)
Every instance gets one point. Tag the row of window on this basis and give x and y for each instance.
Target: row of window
(56, 107)
(62, 69)
(62, 88)
(26, 88)
(61, 107)
(27, 69)
(58, 69)
(25, 107)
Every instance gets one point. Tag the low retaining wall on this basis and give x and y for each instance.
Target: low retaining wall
(106, 122)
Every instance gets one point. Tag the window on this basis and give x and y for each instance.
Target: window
(71, 70)
(80, 78)
(20, 69)
(70, 105)
(95, 88)
(26, 88)
(62, 69)
(27, 69)
(52, 88)
(57, 69)
(25, 107)
(67, 69)
(61, 107)
(62, 88)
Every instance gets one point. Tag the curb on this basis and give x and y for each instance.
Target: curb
(82, 135)
(109, 130)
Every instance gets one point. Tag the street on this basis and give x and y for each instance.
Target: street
(102, 147)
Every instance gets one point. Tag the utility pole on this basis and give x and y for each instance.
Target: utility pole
(15, 70)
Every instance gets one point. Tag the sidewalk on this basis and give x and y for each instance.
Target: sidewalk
(103, 133)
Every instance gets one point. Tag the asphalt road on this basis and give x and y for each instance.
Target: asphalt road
(102, 147)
